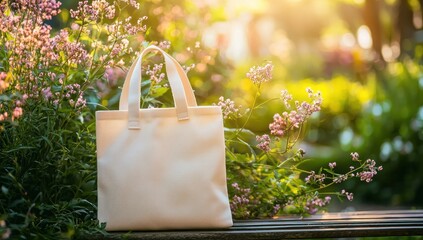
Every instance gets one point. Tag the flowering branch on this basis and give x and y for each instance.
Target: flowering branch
(267, 180)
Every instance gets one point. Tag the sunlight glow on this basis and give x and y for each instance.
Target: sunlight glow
(364, 37)
(359, 1)
(347, 40)
(391, 53)
(418, 20)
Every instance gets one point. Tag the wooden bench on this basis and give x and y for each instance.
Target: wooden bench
(328, 225)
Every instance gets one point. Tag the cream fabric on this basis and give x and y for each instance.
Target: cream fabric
(161, 168)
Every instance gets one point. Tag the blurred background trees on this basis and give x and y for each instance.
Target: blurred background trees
(365, 56)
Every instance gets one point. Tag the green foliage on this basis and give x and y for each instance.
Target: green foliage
(48, 179)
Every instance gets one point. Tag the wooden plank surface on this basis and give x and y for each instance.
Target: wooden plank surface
(344, 224)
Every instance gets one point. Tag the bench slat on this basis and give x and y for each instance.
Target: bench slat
(349, 224)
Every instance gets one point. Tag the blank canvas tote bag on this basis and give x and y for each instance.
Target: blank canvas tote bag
(161, 168)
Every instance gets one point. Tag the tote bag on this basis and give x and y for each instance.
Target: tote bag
(161, 168)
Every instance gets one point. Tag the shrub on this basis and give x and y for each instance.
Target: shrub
(47, 141)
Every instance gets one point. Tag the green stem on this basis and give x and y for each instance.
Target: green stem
(249, 114)
(80, 31)
(299, 133)
(330, 193)
(304, 160)
(265, 102)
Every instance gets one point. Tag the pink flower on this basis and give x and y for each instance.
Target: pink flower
(286, 98)
(110, 12)
(228, 108)
(155, 73)
(354, 156)
(295, 118)
(134, 3)
(241, 198)
(260, 74)
(165, 45)
(74, 52)
(349, 196)
(340, 178)
(3, 83)
(47, 93)
(332, 165)
(80, 102)
(312, 205)
(84, 12)
(315, 178)
(370, 170)
(366, 176)
(264, 142)
(17, 113)
(278, 126)
(42, 9)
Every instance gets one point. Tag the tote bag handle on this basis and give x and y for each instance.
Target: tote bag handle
(181, 88)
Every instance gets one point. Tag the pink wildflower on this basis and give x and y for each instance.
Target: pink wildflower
(47, 93)
(43, 9)
(354, 156)
(295, 118)
(17, 113)
(264, 142)
(278, 126)
(84, 12)
(260, 74)
(3, 83)
(340, 178)
(366, 176)
(155, 73)
(74, 51)
(165, 45)
(228, 108)
(315, 178)
(312, 205)
(241, 199)
(286, 98)
(349, 196)
(370, 170)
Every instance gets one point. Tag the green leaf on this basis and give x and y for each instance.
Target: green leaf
(4, 190)
(158, 91)
(4, 97)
